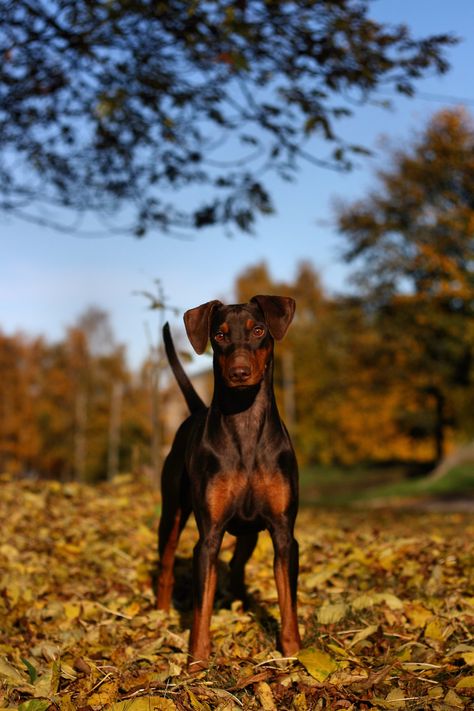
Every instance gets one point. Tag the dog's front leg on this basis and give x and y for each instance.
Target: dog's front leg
(286, 575)
(205, 558)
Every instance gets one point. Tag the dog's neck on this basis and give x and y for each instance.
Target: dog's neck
(251, 401)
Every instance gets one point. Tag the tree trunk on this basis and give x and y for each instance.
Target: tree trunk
(462, 455)
(288, 371)
(80, 443)
(439, 430)
(114, 430)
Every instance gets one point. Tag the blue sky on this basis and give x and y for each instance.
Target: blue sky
(47, 279)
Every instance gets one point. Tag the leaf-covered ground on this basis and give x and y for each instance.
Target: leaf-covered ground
(386, 606)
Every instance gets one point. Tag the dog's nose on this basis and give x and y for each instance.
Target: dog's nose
(239, 373)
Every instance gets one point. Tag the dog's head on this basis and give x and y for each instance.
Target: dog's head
(241, 335)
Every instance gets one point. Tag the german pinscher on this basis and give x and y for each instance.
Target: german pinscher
(232, 464)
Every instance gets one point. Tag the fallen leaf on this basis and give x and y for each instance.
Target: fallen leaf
(330, 614)
(466, 682)
(35, 705)
(144, 703)
(453, 700)
(363, 634)
(265, 696)
(395, 699)
(317, 663)
(9, 672)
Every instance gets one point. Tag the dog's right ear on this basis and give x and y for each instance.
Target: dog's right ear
(197, 322)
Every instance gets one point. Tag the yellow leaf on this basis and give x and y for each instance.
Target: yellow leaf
(9, 552)
(387, 559)
(105, 694)
(418, 614)
(317, 663)
(339, 651)
(8, 672)
(67, 672)
(299, 702)
(460, 649)
(132, 609)
(196, 704)
(67, 704)
(361, 602)
(330, 614)
(452, 699)
(265, 696)
(316, 580)
(436, 631)
(391, 600)
(69, 549)
(363, 634)
(395, 699)
(466, 682)
(13, 591)
(72, 610)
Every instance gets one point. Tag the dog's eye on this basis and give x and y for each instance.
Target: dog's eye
(219, 336)
(258, 331)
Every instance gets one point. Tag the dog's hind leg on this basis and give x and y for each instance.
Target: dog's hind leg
(169, 533)
(176, 508)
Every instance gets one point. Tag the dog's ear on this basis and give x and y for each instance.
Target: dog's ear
(198, 322)
(278, 312)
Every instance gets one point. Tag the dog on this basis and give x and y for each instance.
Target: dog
(232, 464)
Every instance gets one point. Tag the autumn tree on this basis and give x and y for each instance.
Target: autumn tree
(18, 436)
(72, 409)
(344, 409)
(121, 103)
(412, 242)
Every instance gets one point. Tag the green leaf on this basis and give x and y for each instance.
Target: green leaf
(35, 705)
(32, 672)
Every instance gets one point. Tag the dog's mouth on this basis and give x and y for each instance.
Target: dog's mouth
(241, 377)
(242, 385)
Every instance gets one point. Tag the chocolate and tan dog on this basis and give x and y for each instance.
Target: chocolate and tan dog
(232, 464)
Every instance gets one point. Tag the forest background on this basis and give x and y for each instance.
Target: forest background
(376, 371)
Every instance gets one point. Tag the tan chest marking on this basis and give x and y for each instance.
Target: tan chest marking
(274, 489)
(223, 491)
(267, 487)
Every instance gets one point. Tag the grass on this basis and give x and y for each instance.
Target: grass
(457, 483)
(337, 486)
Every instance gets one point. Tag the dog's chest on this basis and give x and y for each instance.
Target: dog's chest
(246, 497)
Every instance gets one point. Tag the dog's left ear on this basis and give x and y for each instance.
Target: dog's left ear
(198, 322)
(278, 312)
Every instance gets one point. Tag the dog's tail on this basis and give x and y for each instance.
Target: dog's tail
(193, 400)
